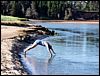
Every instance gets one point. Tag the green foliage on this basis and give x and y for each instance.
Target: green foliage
(49, 9)
(12, 8)
(44, 18)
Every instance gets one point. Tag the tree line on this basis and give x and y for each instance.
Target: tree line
(48, 9)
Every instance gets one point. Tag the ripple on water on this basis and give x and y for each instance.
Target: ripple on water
(76, 53)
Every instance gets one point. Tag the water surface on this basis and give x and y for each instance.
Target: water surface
(76, 47)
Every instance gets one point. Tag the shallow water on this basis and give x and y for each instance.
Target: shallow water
(76, 47)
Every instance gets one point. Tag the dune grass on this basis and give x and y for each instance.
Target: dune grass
(11, 18)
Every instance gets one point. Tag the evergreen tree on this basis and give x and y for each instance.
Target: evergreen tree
(48, 9)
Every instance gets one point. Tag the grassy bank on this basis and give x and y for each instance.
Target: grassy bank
(13, 21)
(11, 18)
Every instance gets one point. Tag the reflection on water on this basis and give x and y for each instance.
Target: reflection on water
(38, 66)
(77, 51)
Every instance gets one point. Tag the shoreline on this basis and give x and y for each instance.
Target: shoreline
(68, 21)
(11, 47)
(10, 64)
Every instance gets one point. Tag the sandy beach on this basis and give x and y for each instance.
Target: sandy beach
(9, 65)
(10, 48)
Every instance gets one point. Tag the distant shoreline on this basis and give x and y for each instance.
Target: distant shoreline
(68, 21)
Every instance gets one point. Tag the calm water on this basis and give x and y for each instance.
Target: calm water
(76, 47)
